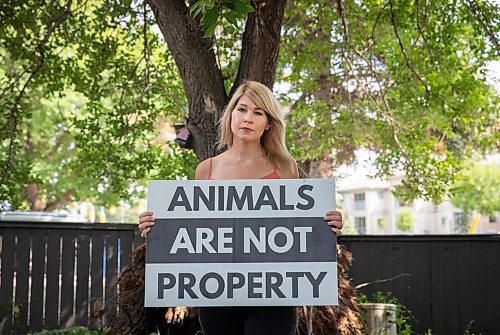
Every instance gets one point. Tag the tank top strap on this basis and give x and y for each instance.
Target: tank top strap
(272, 175)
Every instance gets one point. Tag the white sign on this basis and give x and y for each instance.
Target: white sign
(241, 243)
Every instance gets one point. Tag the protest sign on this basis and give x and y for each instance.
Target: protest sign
(241, 243)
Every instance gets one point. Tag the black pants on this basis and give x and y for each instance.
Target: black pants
(248, 320)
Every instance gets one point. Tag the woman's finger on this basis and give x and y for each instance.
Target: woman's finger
(145, 232)
(333, 217)
(336, 224)
(333, 213)
(147, 219)
(145, 214)
(337, 231)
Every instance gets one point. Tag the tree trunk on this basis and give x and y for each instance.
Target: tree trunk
(261, 43)
(60, 202)
(202, 78)
(36, 204)
(206, 98)
(33, 196)
(197, 63)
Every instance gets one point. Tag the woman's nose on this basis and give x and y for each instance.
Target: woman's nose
(248, 117)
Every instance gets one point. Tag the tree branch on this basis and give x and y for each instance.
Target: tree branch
(403, 51)
(345, 31)
(419, 26)
(407, 61)
(386, 115)
(60, 140)
(59, 202)
(381, 280)
(483, 20)
(14, 82)
(145, 52)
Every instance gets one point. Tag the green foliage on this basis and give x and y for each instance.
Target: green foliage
(83, 88)
(403, 79)
(476, 189)
(223, 21)
(381, 223)
(227, 13)
(91, 79)
(404, 220)
(71, 331)
(349, 228)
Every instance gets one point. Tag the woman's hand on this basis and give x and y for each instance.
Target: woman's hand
(146, 221)
(334, 220)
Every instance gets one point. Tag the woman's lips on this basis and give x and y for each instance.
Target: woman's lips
(246, 129)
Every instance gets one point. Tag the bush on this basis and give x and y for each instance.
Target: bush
(403, 314)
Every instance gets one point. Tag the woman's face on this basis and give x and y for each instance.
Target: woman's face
(248, 122)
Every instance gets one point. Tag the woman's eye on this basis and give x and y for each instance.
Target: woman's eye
(259, 113)
(242, 110)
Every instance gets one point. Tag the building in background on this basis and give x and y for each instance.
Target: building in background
(372, 208)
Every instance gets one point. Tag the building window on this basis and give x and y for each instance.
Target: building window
(458, 222)
(493, 219)
(359, 201)
(443, 221)
(401, 203)
(360, 224)
(380, 194)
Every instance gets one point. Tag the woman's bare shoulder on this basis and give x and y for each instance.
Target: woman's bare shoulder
(206, 167)
(291, 173)
(203, 170)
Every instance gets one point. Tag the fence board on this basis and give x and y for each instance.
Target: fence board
(384, 270)
(52, 287)
(417, 266)
(96, 275)
(111, 276)
(438, 287)
(479, 295)
(399, 268)
(452, 323)
(492, 260)
(82, 279)
(6, 289)
(22, 265)
(68, 278)
(38, 243)
(126, 245)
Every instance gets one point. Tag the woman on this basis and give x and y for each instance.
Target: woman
(253, 132)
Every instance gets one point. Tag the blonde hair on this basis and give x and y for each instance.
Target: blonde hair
(273, 140)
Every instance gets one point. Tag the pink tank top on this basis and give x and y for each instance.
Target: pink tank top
(272, 175)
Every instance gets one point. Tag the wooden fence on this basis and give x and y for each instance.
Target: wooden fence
(450, 283)
(54, 275)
